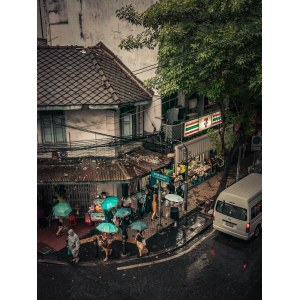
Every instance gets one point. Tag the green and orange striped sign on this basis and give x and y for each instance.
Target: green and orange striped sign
(216, 118)
(191, 127)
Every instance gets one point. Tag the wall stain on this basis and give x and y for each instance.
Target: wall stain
(80, 21)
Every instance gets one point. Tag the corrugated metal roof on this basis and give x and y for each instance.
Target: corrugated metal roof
(75, 75)
(126, 168)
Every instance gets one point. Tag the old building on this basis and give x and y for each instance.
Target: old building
(90, 124)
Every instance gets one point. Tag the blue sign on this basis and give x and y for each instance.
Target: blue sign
(161, 177)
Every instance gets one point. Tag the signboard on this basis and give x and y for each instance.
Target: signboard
(97, 216)
(204, 122)
(256, 143)
(191, 127)
(161, 177)
(216, 118)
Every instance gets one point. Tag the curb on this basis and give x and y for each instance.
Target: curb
(131, 259)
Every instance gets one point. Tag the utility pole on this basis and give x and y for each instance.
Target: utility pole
(238, 164)
(186, 187)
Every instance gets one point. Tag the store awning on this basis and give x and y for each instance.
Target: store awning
(127, 168)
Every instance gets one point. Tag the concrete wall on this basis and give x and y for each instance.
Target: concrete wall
(102, 121)
(87, 22)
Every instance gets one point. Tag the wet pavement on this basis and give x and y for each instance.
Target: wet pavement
(168, 239)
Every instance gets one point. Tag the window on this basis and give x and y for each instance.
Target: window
(256, 210)
(168, 102)
(231, 210)
(53, 130)
(128, 122)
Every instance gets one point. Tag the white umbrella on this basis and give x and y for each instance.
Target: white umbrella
(174, 198)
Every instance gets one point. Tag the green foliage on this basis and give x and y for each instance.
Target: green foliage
(209, 47)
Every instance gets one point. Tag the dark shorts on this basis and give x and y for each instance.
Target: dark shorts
(174, 215)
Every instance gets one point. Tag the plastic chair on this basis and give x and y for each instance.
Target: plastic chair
(72, 221)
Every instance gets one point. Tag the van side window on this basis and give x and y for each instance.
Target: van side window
(256, 210)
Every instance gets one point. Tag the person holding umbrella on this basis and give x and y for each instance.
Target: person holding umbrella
(105, 241)
(60, 226)
(141, 243)
(140, 237)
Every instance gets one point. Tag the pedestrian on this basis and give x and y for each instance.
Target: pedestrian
(73, 245)
(141, 203)
(124, 223)
(171, 186)
(174, 213)
(60, 225)
(104, 242)
(126, 202)
(154, 206)
(108, 216)
(148, 204)
(141, 243)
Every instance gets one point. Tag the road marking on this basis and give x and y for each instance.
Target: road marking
(167, 258)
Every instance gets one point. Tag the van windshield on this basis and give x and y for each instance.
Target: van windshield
(231, 210)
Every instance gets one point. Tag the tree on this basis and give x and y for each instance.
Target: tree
(209, 47)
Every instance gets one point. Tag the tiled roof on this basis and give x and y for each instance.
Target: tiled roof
(75, 75)
(126, 168)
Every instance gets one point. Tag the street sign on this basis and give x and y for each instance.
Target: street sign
(161, 177)
(256, 143)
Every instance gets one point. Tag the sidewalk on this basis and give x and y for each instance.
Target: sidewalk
(168, 239)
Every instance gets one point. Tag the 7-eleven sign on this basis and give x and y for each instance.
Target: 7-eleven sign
(191, 127)
(216, 118)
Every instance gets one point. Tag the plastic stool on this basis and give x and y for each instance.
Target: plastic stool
(72, 221)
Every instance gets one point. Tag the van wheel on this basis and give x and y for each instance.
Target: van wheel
(257, 231)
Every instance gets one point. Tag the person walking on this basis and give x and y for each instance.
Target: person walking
(154, 206)
(141, 203)
(141, 243)
(148, 204)
(60, 225)
(124, 223)
(73, 245)
(174, 213)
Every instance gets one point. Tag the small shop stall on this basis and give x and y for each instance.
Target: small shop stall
(95, 213)
(198, 170)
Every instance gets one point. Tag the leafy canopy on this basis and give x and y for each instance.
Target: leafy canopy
(211, 47)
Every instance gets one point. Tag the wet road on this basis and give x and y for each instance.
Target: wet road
(216, 267)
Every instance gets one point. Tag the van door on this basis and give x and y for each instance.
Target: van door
(255, 214)
(231, 217)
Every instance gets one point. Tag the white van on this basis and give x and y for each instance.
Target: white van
(238, 209)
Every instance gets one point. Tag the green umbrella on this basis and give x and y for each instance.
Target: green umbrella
(123, 212)
(140, 226)
(107, 227)
(109, 203)
(62, 209)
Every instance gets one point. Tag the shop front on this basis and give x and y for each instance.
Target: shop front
(81, 183)
(202, 162)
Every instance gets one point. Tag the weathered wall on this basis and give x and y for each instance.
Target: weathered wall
(95, 120)
(87, 22)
